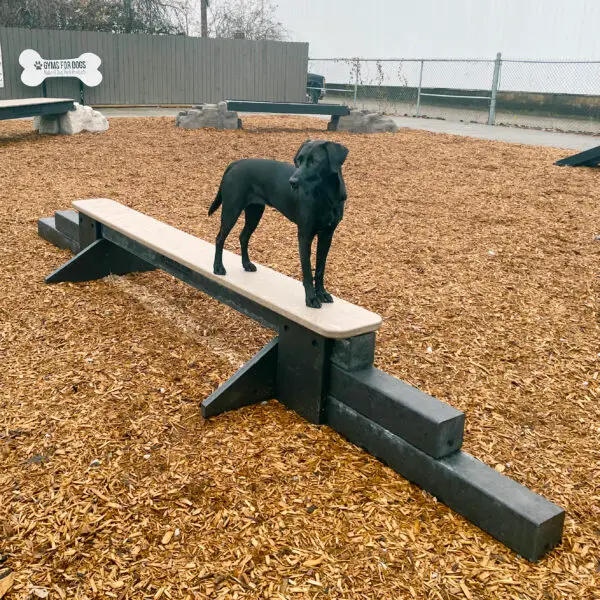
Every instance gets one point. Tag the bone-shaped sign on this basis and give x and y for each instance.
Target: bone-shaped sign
(36, 68)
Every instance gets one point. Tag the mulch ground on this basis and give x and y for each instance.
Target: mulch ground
(480, 256)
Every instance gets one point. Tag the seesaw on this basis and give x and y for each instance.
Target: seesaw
(320, 365)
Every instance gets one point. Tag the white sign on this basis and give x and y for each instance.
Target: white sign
(36, 68)
(1, 71)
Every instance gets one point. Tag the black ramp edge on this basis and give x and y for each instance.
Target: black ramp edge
(523, 520)
(67, 222)
(431, 425)
(47, 230)
(587, 158)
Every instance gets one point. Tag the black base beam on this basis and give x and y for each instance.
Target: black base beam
(96, 261)
(253, 383)
(48, 229)
(433, 426)
(67, 222)
(513, 514)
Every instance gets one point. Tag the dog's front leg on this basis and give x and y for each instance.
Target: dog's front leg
(304, 246)
(323, 245)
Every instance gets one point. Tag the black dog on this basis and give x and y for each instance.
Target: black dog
(311, 194)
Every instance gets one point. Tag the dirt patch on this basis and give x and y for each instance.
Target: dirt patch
(482, 260)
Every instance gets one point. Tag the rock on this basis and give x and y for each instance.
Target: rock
(363, 121)
(95, 463)
(49, 125)
(208, 115)
(83, 118)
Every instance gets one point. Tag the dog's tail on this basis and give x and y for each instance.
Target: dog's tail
(216, 203)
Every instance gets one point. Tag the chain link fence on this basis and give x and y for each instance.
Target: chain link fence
(554, 95)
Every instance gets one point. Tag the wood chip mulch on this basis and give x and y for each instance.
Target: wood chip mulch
(482, 259)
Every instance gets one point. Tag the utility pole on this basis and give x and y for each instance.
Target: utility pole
(203, 18)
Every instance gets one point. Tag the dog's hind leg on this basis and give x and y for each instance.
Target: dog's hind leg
(228, 220)
(253, 212)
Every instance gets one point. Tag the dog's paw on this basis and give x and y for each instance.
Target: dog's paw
(313, 302)
(219, 270)
(324, 296)
(250, 267)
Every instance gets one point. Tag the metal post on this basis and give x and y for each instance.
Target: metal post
(81, 93)
(203, 18)
(419, 90)
(356, 70)
(495, 81)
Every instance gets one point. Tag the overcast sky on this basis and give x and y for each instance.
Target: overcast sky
(558, 29)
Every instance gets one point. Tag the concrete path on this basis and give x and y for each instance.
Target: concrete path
(514, 135)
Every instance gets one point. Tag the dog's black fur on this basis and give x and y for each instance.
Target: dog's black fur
(310, 193)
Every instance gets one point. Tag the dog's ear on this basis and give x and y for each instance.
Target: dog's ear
(337, 155)
(308, 141)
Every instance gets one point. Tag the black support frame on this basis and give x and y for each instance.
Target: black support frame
(334, 382)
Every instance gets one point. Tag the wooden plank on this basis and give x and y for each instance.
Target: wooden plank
(279, 293)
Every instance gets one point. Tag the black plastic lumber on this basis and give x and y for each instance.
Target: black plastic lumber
(19, 109)
(294, 108)
(252, 383)
(587, 158)
(67, 222)
(48, 230)
(523, 520)
(429, 424)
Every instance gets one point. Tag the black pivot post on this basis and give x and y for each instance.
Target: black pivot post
(303, 371)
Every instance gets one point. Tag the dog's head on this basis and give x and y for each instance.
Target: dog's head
(317, 160)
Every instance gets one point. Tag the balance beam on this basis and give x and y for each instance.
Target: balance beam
(320, 365)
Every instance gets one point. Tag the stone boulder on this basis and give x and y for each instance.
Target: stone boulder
(364, 121)
(209, 115)
(83, 118)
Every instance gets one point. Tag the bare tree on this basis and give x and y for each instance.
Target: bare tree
(249, 19)
(117, 16)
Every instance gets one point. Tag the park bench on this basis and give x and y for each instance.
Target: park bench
(34, 107)
(320, 364)
(293, 108)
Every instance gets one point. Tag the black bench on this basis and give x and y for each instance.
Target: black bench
(292, 108)
(34, 107)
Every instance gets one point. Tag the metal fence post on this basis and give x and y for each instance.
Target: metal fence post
(356, 71)
(495, 82)
(419, 90)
